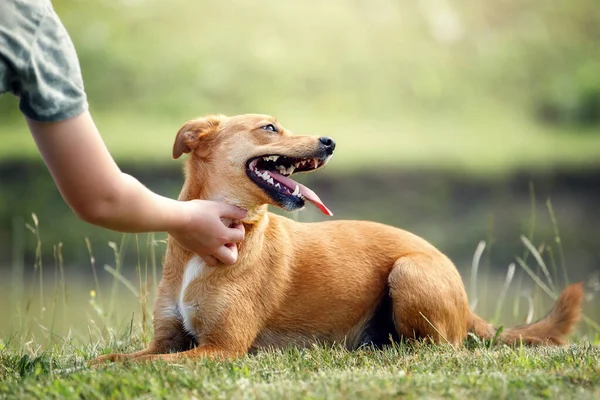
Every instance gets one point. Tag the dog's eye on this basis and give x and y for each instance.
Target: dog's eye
(270, 128)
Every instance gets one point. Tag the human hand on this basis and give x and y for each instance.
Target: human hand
(98, 192)
(204, 232)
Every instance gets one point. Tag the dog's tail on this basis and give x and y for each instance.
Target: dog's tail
(551, 329)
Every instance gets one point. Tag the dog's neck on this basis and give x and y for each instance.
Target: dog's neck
(255, 224)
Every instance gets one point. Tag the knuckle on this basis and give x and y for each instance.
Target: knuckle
(222, 239)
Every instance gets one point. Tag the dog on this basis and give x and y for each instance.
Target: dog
(348, 282)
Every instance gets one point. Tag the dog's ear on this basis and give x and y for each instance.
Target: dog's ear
(191, 133)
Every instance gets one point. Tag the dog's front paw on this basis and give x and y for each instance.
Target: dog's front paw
(96, 362)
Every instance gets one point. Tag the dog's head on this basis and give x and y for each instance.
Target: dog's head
(246, 160)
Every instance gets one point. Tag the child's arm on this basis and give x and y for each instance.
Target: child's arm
(38, 63)
(99, 193)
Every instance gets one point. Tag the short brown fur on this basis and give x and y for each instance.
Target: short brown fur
(297, 283)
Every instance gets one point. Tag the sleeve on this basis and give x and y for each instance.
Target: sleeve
(45, 72)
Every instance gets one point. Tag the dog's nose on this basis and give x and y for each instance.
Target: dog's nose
(328, 143)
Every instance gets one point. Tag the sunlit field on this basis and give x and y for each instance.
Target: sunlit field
(463, 122)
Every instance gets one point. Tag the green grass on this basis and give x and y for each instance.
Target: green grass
(401, 371)
(62, 323)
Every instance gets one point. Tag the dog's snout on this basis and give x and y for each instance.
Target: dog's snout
(327, 143)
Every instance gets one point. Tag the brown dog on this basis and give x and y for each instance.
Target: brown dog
(350, 282)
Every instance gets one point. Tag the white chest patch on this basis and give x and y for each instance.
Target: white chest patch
(195, 268)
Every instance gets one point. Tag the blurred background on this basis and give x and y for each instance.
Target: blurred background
(461, 121)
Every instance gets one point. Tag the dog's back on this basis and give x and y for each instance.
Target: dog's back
(337, 280)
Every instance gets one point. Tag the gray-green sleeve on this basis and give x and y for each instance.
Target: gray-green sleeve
(38, 62)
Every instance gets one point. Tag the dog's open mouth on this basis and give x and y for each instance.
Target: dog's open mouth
(271, 173)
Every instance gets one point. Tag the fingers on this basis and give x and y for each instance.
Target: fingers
(212, 239)
(236, 233)
(233, 212)
(227, 254)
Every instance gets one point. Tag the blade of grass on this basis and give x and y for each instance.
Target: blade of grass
(498, 333)
(538, 257)
(120, 278)
(552, 258)
(54, 296)
(530, 235)
(37, 265)
(484, 270)
(438, 332)
(474, 268)
(536, 279)
(88, 244)
(153, 263)
(17, 265)
(558, 242)
(507, 281)
(118, 253)
(530, 308)
(63, 279)
(142, 290)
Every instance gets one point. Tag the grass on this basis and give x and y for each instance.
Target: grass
(60, 326)
(401, 371)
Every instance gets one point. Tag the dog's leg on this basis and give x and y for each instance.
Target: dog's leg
(226, 325)
(119, 357)
(206, 351)
(169, 334)
(429, 299)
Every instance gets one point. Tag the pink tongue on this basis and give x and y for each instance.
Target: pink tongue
(304, 191)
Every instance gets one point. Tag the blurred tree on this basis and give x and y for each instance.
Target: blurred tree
(173, 58)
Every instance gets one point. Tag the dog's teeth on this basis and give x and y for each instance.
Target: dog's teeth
(270, 180)
(275, 158)
(296, 191)
(281, 169)
(316, 161)
(277, 185)
(290, 170)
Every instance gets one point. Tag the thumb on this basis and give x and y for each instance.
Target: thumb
(232, 212)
